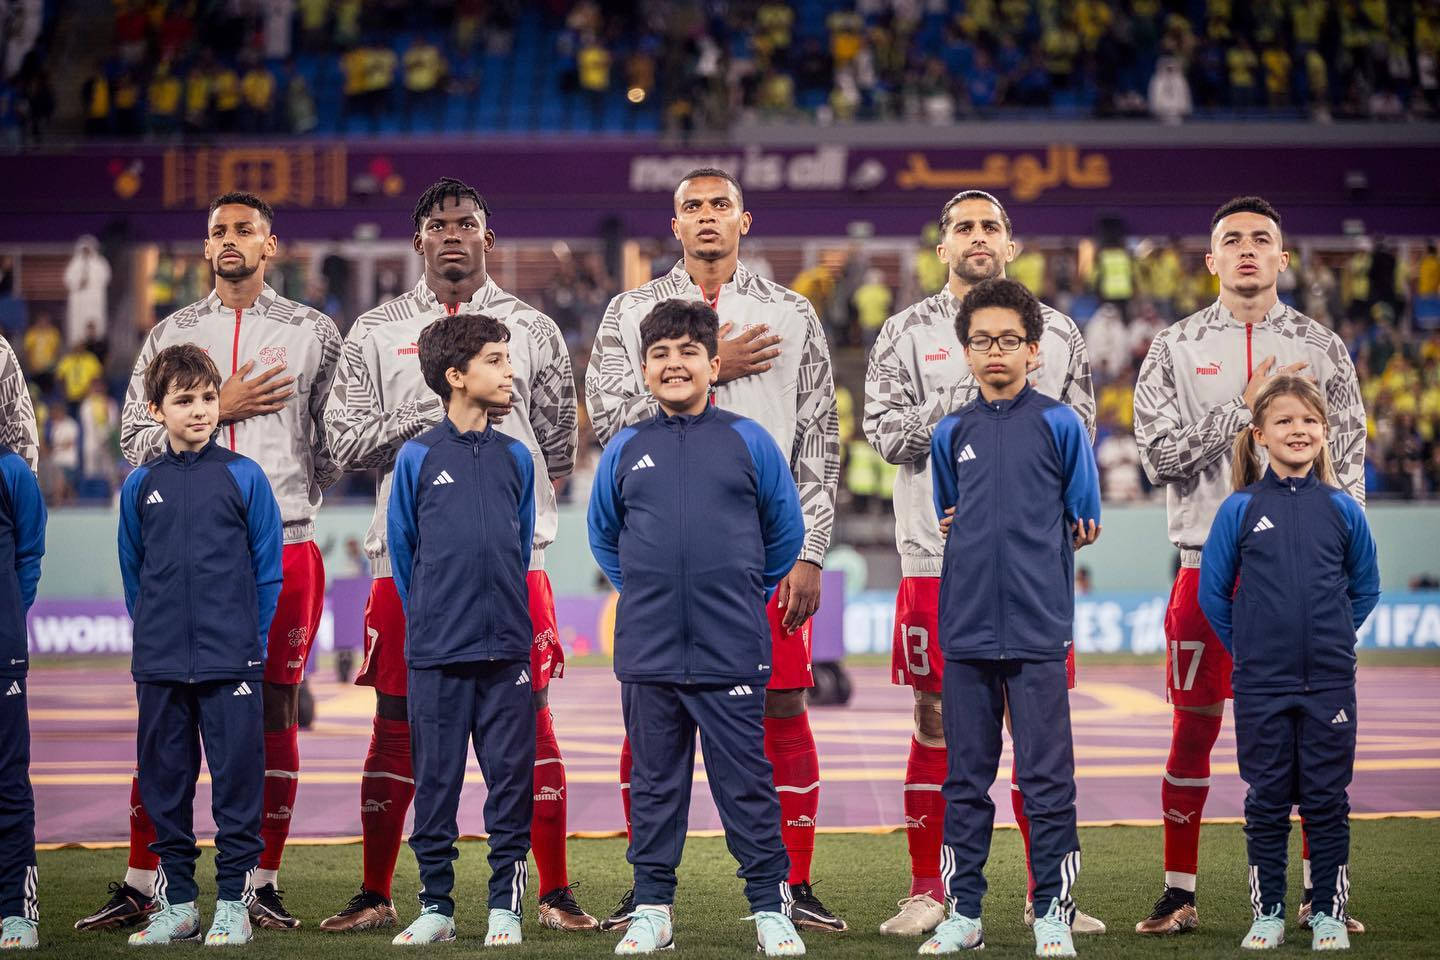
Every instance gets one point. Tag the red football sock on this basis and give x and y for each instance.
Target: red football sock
(1017, 803)
(791, 748)
(547, 830)
(625, 764)
(925, 817)
(1183, 792)
(142, 831)
(386, 789)
(282, 780)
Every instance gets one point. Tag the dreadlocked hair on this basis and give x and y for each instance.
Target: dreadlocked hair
(1246, 466)
(444, 189)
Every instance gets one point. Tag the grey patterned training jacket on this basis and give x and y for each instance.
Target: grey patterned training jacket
(1189, 405)
(794, 400)
(380, 399)
(917, 375)
(17, 414)
(290, 444)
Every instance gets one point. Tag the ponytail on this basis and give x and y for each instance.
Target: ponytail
(1245, 465)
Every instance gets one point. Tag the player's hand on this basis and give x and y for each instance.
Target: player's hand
(799, 594)
(1083, 536)
(241, 399)
(749, 353)
(1032, 368)
(945, 523)
(1262, 374)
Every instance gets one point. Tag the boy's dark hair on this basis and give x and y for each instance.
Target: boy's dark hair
(964, 195)
(453, 342)
(444, 189)
(1007, 294)
(180, 367)
(672, 319)
(699, 172)
(1245, 205)
(245, 199)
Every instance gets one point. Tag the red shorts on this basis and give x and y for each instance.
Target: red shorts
(1197, 665)
(297, 613)
(384, 665)
(915, 656)
(789, 652)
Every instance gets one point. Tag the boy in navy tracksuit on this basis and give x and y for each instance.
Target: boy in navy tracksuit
(694, 517)
(1018, 469)
(200, 540)
(1305, 561)
(460, 521)
(22, 544)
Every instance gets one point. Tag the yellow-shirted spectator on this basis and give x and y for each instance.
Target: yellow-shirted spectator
(1092, 19)
(1307, 18)
(1241, 65)
(227, 90)
(352, 65)
(1028, 268)
(593, 63)
(844, 413)
(1277, 75)
(76, 371)
(97, 104)
(425, 67)
(1427, 275)
(845, 36)
(257, 88)
(1059, 45)
(774, 22)
(1318, 73)
(380, 63)
(163, 98)
(872, 301)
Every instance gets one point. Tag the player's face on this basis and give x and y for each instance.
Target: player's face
(454, 239)
(189, 414)
(1246, 253)
(995, 366)
(1293, 433)
(239, 241)
(709, 220)
(679, 372)
(975, 245)
(488, 378)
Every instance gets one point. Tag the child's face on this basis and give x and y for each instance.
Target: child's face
(1293, 434)
(488, 379)
(995, 329)
(189, 414)
(679, 372)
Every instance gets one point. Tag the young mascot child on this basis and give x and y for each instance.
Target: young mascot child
(22, 544)
(459, 526)
(1020, 466)
(200, 541)
(1302, 552)
(694, 517)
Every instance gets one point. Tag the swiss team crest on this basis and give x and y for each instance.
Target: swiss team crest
(271, 356)
(297, 636)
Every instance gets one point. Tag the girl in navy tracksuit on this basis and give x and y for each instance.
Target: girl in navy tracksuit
(1307, 579)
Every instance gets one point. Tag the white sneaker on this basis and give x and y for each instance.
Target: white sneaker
(1084, 923)
(431, 926)
(918, 915)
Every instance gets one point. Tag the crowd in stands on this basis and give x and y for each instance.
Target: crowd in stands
(301, 66)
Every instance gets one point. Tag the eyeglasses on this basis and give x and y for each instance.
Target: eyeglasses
(1009, 342)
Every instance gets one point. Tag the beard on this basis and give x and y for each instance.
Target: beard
(235, 272)
(972, 272)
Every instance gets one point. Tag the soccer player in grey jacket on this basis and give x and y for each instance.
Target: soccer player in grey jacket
(1196, 390)
(380, 401)
(917, 374)
(275, 419)
(17, 414)
(776, 371)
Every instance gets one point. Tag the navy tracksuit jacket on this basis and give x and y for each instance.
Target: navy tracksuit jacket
(459, 526)
(22, 544)
(1307, 579)
(200, 540)
(1020, 473)
(695, 520)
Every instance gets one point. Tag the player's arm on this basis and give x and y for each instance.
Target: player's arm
(327, 471)
(1079, 472)
(896, 421)
(1347, 422)
(131, 547)
(1171, 450)
(615, 396)
(402, 528)
(17, 414)
(815, 456)
(525, 466)
(141, 438)
(1219, 563)
(1079, 391)
(943, 482)
(1362, 570)
(363, 432)
(29, 520)
(554, 406)
(606, 516)
(267, 540)
(782, 524)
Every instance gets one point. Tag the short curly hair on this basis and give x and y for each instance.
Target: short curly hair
(1009, 294)
(673, 319)
(1245, 205)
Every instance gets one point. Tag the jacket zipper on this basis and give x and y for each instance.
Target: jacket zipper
(1304, 604)
(479, 504)
(235, 365)
(684, 579)
(997, 497)
(1249, 370)
(189, 591)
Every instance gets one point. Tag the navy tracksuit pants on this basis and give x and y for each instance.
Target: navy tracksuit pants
(488, 705)
(175, 718)
(661, 720)
(1297, 748)
(18, 874)
(973, 697)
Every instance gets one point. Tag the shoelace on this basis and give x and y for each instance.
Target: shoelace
(915, 899)
(359, 902)
(654, 920)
